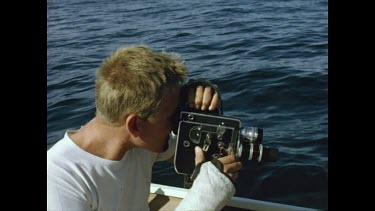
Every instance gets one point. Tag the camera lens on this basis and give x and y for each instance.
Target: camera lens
(258, 152)
(252, 135)
(249, 146)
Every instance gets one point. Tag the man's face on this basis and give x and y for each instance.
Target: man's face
(156, 130)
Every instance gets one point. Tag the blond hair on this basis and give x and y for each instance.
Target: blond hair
(131, 80)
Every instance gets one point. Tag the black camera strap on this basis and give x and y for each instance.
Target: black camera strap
(216, 163)
(193, 83)
(196, 171)
(197, 168)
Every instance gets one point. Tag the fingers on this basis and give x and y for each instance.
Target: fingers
(231, 166)
(207, 97)
(234, 175)
(199, 93)
(230, 150)
(199, 155)
(214, 102)
(203, 98)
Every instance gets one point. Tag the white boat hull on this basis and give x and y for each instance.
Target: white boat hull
(171, 196)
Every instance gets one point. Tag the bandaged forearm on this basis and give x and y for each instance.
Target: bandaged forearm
(211, 190)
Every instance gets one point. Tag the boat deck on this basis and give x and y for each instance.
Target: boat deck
(168, 203)
(167, 198)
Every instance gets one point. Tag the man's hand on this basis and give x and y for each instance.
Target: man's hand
(203, 98)
(231, 165)
(199, 155)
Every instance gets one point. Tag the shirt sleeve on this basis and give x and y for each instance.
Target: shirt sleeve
(211, 190)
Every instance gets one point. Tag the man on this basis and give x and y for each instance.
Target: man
(107, 164)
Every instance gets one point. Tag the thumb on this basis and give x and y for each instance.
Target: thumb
(199, 155)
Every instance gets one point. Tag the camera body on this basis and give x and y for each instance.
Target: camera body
(218, 136)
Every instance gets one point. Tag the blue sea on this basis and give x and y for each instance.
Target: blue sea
(269, 59)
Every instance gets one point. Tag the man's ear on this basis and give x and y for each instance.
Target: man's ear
(132, 124)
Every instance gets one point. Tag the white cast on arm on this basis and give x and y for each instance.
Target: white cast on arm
(211, 190)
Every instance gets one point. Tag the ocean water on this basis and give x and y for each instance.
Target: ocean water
(269, 59)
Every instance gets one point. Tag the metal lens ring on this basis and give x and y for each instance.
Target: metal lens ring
(251, 152)
(239, 149)
(260, 152)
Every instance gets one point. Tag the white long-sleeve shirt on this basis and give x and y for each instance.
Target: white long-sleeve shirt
(78, 180)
